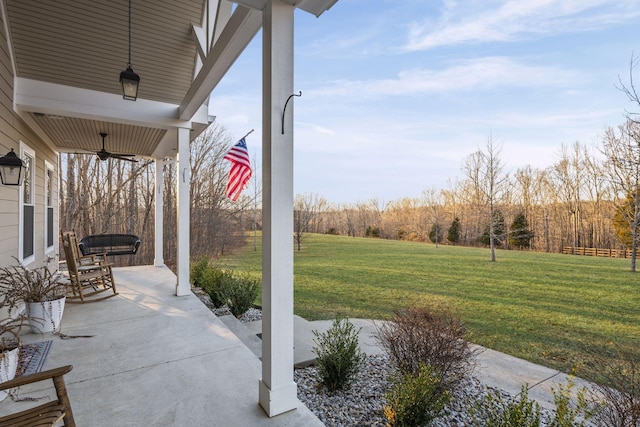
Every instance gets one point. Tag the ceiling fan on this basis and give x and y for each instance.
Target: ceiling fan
(104, 154)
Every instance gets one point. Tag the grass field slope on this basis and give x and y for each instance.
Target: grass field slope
(552, 309)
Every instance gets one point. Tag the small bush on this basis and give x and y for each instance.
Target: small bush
(198, 270)
(617, 404)
(432, 337)
(211, 281)
(238, 292)
(569, 414)
(338, 356)
(494, 411)
(416, 399)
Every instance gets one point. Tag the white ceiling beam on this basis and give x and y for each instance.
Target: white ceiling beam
(215, 18)
(199, 36)
(49, 98)
(167, 147)
(234, 38)
(223, 14)
(315, 7)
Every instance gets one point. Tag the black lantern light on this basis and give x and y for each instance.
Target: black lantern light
(11, 169)
(128, 78)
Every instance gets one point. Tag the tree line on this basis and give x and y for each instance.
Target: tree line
(588, 197)
(115, 196)
(585, 198)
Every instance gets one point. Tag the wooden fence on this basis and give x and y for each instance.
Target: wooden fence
(611, 253)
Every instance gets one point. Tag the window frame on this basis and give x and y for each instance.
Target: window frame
(48, 203)
(30, 174)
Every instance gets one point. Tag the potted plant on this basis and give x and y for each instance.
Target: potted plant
(9, 348)
(41, 291)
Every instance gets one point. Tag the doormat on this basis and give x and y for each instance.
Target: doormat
(33, 357)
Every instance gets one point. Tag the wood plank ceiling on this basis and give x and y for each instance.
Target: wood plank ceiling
(84, 44)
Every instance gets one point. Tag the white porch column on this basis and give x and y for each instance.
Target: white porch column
(184, 181)
(277, 390)
(159, 205)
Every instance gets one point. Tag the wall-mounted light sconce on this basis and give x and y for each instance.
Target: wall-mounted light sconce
(11, 169)
(128, 78)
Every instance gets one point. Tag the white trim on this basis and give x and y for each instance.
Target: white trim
(26, 150)
(238, 32)
(56, 99)
(277, 390)
(183, 211)
(159, 214)
(48, 167)
(315, 7)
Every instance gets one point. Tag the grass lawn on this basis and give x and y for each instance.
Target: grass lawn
(551, 309)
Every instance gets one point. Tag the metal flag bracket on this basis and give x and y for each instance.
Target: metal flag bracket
(285, 107)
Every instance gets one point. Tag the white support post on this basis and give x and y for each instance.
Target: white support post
(277, 390)
(159, 218)
(184, 181)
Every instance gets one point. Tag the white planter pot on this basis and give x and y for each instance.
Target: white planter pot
(8, 367)
(46, 316)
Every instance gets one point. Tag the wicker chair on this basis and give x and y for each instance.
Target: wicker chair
(47, 414)
(89, 275)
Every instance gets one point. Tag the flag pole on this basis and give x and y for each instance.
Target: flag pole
(248, 133)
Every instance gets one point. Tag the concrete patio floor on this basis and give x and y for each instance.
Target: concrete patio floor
(156, 360)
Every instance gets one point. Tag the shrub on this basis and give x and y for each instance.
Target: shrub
(338, 356)
(416, 399)
(198, 270)
(570, 414)
(615, 397)
(428, 336)
(211, 282)
(238, 292)
(494, 411)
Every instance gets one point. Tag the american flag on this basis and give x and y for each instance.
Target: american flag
(240, 172)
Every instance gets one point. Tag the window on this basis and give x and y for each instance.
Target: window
(27, 207)
(49, 229)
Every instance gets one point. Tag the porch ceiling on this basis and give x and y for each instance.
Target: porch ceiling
(86, 42)
(76, 49)
(68, 55)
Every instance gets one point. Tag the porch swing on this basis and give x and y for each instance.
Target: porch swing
(109, 244)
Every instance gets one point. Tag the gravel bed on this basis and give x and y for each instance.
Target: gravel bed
(251, 315)
(362, 404)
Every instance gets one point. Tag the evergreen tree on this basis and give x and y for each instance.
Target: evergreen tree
(453, 234)
(519, 234)
(623, 221)
(498, 231)
(436, 234)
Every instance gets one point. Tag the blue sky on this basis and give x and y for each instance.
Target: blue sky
(397, 93)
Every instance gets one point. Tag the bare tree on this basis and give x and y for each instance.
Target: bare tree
(433, 202)
(305, 208)
(622, 149)
(493, 185)
(473, 195)
(568, 178)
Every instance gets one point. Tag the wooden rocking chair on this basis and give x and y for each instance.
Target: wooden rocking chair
(89, 275)
(47, 414)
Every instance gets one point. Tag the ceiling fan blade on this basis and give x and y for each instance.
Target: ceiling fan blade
(126, 157)
(104, 154)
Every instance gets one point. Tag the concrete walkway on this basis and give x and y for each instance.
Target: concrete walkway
(494, 369)
(155, 359)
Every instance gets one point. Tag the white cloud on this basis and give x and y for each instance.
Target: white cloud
(477, 74)
(489, 21)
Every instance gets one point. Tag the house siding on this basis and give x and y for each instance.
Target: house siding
(14, 130)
